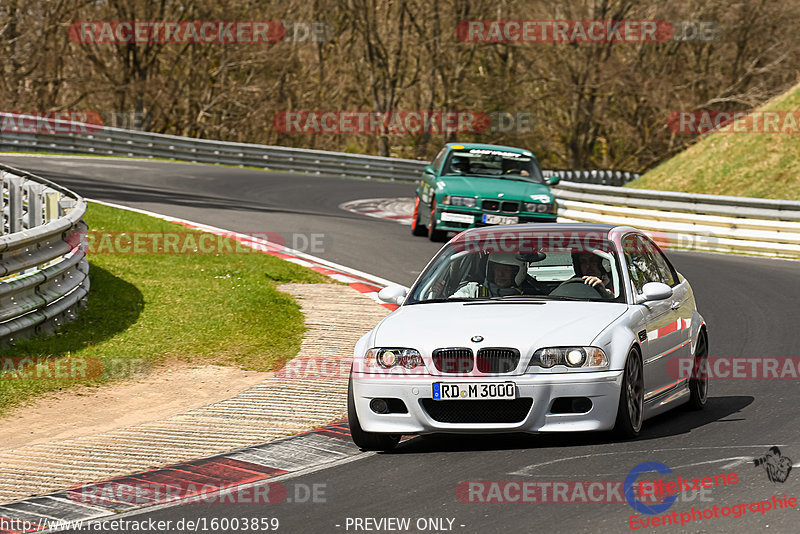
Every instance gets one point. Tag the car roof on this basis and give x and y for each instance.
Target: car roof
(546, 227)
(483, 146)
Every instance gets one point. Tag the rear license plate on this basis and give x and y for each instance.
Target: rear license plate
(473, 391)
(499, 219)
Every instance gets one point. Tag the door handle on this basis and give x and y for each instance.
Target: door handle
(675, 305)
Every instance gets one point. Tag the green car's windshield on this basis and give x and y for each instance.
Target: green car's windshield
(493, 163)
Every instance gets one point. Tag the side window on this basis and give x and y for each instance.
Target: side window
(665, 271)
(439, 159)
(634, 261)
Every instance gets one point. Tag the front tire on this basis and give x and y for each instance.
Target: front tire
(631, 399)
(698, 383)
(417, 228)
(435, 235)
(368, 441)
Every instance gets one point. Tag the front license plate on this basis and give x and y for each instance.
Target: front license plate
(457, 217)
(499, 219)
(473, 391)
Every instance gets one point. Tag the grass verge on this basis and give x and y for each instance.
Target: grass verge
(218, 309)
(739, 164)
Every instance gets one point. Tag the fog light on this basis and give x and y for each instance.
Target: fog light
(379, 406)
(581, 405)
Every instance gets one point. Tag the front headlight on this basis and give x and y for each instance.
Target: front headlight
(467, 202)
(534, 207)
(386, 358)
(571, 357)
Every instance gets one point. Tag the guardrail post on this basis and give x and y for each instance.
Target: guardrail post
(15, 193)
(35, 214)
(51, 206)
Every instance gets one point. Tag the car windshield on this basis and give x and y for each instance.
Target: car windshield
(493, 163)
(522, 266)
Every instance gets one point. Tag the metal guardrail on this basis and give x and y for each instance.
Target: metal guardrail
(599, 177)
(118, 142)
(689, 221)
(44, 274)
(704, 222)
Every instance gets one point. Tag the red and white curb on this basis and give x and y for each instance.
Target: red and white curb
(238, 477)
(221, 478)
(399, 209)
(362, 282)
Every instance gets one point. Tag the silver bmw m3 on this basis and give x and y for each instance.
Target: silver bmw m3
(531, 328)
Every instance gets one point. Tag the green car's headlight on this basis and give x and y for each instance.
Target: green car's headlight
(571, 357)
(467, 202)
(535, 207)
(386, 358)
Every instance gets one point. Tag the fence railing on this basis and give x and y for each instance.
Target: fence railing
(690, 221)
(74, 138)
(44, 275)
(704, 222)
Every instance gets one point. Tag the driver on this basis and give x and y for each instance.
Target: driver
(460, 164)
(590, 268)
(504, 274)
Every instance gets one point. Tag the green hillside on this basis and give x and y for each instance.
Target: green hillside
(740, 164)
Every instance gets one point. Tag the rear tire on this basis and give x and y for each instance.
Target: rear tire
(417, 228)
(631, 399)
(698, 383)
(435, 235)
(368, 441)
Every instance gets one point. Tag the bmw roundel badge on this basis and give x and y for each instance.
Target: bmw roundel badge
(477, 339)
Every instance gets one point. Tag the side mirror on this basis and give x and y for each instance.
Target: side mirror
(654, 291)
(552, 180)
(393, 294)
(429, 170)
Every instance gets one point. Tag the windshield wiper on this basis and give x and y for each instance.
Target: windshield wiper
(452, 299)
(540, 297)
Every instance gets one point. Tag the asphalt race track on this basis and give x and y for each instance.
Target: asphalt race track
(749, 305)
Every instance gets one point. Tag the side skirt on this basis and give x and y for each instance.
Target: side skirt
(668, 398)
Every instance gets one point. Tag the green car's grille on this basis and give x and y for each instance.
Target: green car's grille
(498, 205)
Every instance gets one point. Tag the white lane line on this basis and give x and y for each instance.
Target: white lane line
(527, 471)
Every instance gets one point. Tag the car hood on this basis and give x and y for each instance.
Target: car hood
(527, 327)
(489, 187)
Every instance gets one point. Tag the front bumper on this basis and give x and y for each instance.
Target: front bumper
(602, 388)
(474, 218)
